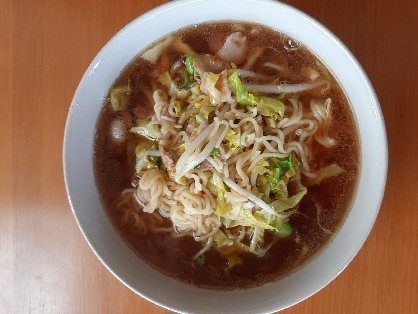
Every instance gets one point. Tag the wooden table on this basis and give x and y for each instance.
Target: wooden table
(45, 264)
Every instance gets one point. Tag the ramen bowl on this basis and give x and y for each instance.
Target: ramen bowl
(106, 242)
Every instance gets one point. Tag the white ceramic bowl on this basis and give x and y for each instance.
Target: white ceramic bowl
(99, 232)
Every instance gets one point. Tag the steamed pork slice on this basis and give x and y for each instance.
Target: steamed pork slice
(165, 114)
(205, 165)
(234, 49)
(167, 157)
(208, 63)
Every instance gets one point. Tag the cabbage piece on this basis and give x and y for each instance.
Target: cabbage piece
(272, 220)
(263, 185)
(228, 249)
(233, 260)
(215, 152)
(241, 93)
(189, 64)
(325, 173)
(208, 86)
(153, 54)
(283, 203)
(217, 188)
(261, 167)
(266, 106)
(261, 170)
(248, 219)
(272, 175)
(204, 102)
(258, 246)
(245, 216)
(222, 208)
(289, 174)
(232, 140)
(119, 97)
(203, 116)
(142, 162)
(270, 107)
(167, 81)
(178, 108)
(221, 239)
(283, 167)
(188, 74)
(271, 122)
(280, 227)
(144, 129)
(270, 172)
(195, 90)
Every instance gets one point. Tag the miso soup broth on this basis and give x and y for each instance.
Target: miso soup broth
(226, 155)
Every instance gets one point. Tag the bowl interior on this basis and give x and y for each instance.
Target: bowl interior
(105, 241)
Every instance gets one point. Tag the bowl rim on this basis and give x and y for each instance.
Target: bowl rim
(95, 227)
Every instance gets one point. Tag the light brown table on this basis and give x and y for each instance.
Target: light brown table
(45, 264)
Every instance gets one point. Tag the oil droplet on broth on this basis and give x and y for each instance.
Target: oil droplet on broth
(290, 44)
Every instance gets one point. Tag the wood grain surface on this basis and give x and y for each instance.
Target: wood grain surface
(45, 264)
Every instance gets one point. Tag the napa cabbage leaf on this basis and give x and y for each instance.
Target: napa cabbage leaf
(146, 130)
(325, 173)
(212, 91)
(119, 97)
(266, 106)
(144, 162)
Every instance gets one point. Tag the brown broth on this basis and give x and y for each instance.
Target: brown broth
(312, 229)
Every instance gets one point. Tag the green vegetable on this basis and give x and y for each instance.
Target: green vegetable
(241, 93)
(283, 167)
(215, 152)
(189, 64)
(270, 107)
(188, 73)
(266, 106)
(285, 231)
(270, 172)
